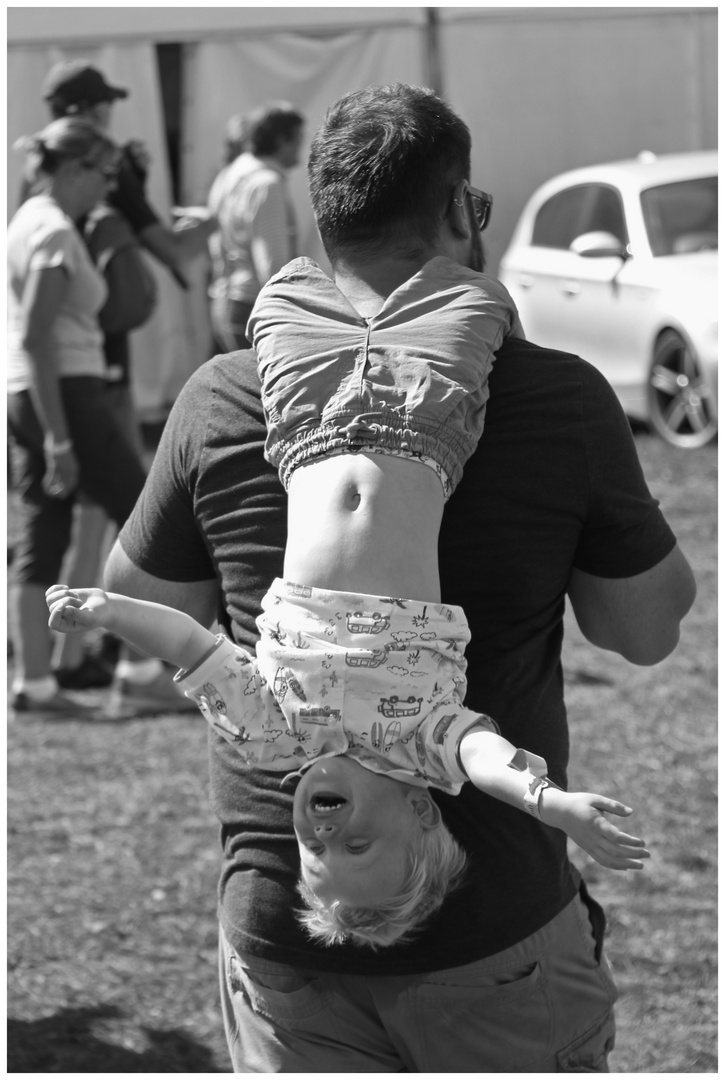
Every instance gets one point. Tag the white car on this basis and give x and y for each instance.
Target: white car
(618, 264)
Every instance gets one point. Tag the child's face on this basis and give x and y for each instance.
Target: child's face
(354, 828)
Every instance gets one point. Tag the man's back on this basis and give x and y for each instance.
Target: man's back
(554, 483)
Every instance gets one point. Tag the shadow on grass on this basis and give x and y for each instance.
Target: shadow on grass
(66, 1043)
(587, 678)
(90, 712)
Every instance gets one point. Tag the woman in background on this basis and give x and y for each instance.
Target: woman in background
(63, 435)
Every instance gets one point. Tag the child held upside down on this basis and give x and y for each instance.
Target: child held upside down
(356, 690)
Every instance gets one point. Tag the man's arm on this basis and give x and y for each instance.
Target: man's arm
(270, 243)
(196, 598)
(638, 617)
(175, 248)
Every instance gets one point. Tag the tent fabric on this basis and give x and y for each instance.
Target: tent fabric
(542, 89)
(236, 76)
(178, 23)
(223, 78)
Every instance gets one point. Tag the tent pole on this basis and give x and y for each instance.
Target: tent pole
(433, 60)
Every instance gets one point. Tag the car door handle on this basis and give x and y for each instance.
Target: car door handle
(525, 282)
(571, 288)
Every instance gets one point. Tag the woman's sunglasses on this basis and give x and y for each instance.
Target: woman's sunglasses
(109, 171)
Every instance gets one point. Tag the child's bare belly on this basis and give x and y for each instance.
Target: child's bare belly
(365, 523)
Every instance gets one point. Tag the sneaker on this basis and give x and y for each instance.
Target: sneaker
(161, 695)
(107, 649)
(58, 705)
(91, 674)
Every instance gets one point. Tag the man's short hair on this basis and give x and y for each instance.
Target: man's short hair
(382, 168)
(437, 865)
(269, 125)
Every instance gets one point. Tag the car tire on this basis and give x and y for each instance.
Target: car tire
(678, 396)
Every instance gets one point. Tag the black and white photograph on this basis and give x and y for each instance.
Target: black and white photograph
(361, 502)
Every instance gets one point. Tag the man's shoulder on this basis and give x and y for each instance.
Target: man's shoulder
(530, 351)
(238, 368)
(544, 398)
(537, 364)
(230, 383)
(250, 172)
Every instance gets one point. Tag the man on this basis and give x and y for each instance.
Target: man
(509, 975)
(75, 87)
(257, 233)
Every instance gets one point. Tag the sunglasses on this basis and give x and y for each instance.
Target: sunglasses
(482, 203)
(109, 171)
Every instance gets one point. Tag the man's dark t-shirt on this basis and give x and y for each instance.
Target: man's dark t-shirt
(554, 483)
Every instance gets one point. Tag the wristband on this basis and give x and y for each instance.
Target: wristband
(54, 448)
(532, 796)
(534, 768)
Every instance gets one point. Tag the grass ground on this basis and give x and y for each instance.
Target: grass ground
(113, 854)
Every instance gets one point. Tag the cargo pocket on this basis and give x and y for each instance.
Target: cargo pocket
(590, 1051)
(286, 998)
(501, 1016)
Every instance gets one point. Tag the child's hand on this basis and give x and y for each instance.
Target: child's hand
(580, 815)
(75, 610)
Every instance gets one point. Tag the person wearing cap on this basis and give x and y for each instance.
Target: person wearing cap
(77, 88)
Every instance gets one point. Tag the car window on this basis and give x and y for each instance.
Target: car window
(557, 222)
(681, 217)
(577, 210)
(605, 213)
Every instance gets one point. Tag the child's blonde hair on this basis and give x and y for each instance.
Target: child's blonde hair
(437, 864)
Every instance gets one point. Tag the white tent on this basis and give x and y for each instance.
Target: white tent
(543, 89)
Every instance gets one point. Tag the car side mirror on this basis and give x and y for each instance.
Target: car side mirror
(599, 245)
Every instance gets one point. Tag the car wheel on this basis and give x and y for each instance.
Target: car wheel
(679, 398)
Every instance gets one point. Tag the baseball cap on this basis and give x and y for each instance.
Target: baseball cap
(77, 81)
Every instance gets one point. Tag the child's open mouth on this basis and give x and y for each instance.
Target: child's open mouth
(327, 804)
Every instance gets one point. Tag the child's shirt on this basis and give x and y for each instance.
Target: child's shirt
(411, 381)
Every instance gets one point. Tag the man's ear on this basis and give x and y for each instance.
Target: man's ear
(425, 809)
(458, 215)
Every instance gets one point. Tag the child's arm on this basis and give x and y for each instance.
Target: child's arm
(155, 629)
(489, 762)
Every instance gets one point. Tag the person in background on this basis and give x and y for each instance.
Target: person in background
(257, 232)
(236, 142)
(510, 973)
(77, 88)
(64, 435)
